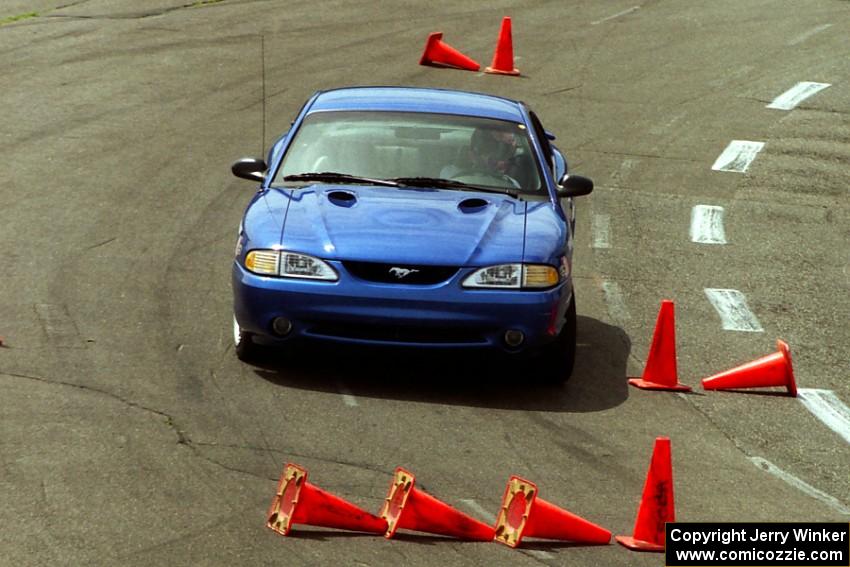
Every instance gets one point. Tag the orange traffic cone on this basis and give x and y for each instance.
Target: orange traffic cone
(503, 57)
(440, 54)
(298, 501)
(771, 370)
(660, 370)
(524, 514)
(656, 505)
(408, 508)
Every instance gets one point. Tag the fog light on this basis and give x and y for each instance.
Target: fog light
(281, 326)
(514, 338)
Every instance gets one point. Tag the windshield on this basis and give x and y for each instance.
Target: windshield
(391, 145)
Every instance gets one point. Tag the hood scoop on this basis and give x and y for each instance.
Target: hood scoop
(472, 205)
(342, 198)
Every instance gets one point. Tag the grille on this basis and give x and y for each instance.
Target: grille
(400, 273)
(387, 333)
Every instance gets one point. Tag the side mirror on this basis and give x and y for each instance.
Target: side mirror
(574, 186)
(249, 168)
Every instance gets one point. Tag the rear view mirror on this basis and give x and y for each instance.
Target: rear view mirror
(574, 186)
(249, 168)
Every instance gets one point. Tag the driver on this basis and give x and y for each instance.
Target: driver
(491, 153)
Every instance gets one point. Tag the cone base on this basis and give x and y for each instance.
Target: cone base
(440, 65)
(524, 514)
(647, 385)
(638, 545)
(492, 70)
(790, 382)
(296, 501)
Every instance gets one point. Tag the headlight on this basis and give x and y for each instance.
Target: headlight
(294, 265)
(514, 276)
(289, 265)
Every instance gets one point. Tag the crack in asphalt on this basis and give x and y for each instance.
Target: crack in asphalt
(99, 244)
(196, 447)
(71, 4)
(182, 438)
(269, 450)
(585, 148)
(687, 398)
(136, 16)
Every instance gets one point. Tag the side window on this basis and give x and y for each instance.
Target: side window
(544, 141)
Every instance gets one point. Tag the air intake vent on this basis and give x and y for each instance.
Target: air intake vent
(472, 205)
(342, 198)
(400, 273)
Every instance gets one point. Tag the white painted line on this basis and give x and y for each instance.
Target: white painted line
(617, 15)
(828, 408)
(737, 156)
(707, 225)
(347, 396)
(661, 127)
(804, 36)
(800, 485)
(600, 226)
(616, 304)
(619, 177)
(731, 305)
(796, 94)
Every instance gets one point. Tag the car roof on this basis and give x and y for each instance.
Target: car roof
(415, 99)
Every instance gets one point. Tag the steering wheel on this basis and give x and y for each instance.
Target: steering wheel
(486, 178)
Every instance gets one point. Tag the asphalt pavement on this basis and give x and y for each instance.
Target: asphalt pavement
(131, 435)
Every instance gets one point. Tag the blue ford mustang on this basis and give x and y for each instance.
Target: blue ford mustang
(411, 217)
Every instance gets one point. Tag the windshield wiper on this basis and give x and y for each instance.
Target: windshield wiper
(441, 183)
(435, 182)
(333, 177)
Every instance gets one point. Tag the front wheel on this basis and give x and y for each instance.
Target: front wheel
(243, 343)
(555, 365)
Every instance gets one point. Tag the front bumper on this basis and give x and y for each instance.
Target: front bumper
(351, 310)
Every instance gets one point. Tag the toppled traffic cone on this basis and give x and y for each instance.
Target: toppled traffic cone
(656, 505)
(660, 371)
(524, 514)
(440, 54)
(408, 508)
(297, 501)
(771, 370)
(503, 57)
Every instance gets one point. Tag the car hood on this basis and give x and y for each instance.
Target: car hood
(408, 226)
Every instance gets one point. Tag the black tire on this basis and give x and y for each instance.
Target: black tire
(556, 362)
(243, 343)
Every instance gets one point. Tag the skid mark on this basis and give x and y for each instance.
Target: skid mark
(58, 325)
